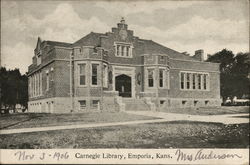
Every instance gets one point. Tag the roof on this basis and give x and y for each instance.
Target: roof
(91, 39)
(151, 47)
(55, 43)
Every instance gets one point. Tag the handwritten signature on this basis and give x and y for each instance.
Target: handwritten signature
(200, 155)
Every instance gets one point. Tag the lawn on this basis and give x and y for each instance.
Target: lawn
(210, 110)
(28, 120)
(178, 134)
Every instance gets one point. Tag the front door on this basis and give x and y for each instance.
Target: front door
(123, 85)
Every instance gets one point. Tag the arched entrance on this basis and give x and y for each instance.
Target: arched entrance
(123, 85)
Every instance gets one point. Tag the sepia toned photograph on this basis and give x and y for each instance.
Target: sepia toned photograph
(124, 75)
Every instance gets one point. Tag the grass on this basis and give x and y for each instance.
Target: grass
(211, 110)
(178, 134)
(28, 120)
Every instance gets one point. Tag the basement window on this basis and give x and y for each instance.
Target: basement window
(95, 103)
(195, 102)
(162, 102)
(82, 104)
(184, 102)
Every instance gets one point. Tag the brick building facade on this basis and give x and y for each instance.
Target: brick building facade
(118, 71)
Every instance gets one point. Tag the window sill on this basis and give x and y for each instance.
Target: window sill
(94, 85)
(124, 56)
(195, 90)
(82, 85)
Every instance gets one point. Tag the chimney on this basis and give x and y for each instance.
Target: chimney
(186, 53)
(199, 54)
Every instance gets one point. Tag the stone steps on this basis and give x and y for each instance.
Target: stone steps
(136, 105)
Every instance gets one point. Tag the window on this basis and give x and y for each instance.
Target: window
(195, 102)
(161, 77)
(150, 77)
(162, 102)
(32, 86)
(29, 87)
(183, 102)
(199, 81)
(35, 82)
(94, 74)
(118, 50)
(167, 80)
(47, 80)
(194, 80)
(123, 50)
(105, 52)
(82, 104)
(39, 60)
(182, 80)
(161, 58)
(127, 51)
(188, 81)
(41, 85)
(95, 103)
(204, 82)
(82, 74)
(105, 75)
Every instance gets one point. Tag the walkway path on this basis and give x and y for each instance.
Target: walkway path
(165, 117)
(92, 125)
(225, 119)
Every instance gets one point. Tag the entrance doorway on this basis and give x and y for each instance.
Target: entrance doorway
(123, 85)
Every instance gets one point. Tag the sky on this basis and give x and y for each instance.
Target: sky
(179, 25)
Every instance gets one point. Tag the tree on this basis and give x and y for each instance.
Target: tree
(13, 87)
(234, 75)
(241, 74)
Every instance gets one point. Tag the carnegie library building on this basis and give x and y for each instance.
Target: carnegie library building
(118, 71)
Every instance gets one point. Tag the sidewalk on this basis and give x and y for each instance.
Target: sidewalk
(52, 128)
(225, 119)
(166, 117)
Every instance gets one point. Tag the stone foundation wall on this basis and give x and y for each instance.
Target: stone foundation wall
(50, 105)
(189, 103)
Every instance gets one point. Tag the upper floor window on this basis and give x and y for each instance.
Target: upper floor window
(161, 58)
(105, 75)
(161, 72)
(82, 74)
(94, 74)
(205, 82)
(194, 81)
(123, 50)
(188, 81)
(182, 80)
(39, 60)
(150, 77)
(47, 80)
(199, 81)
